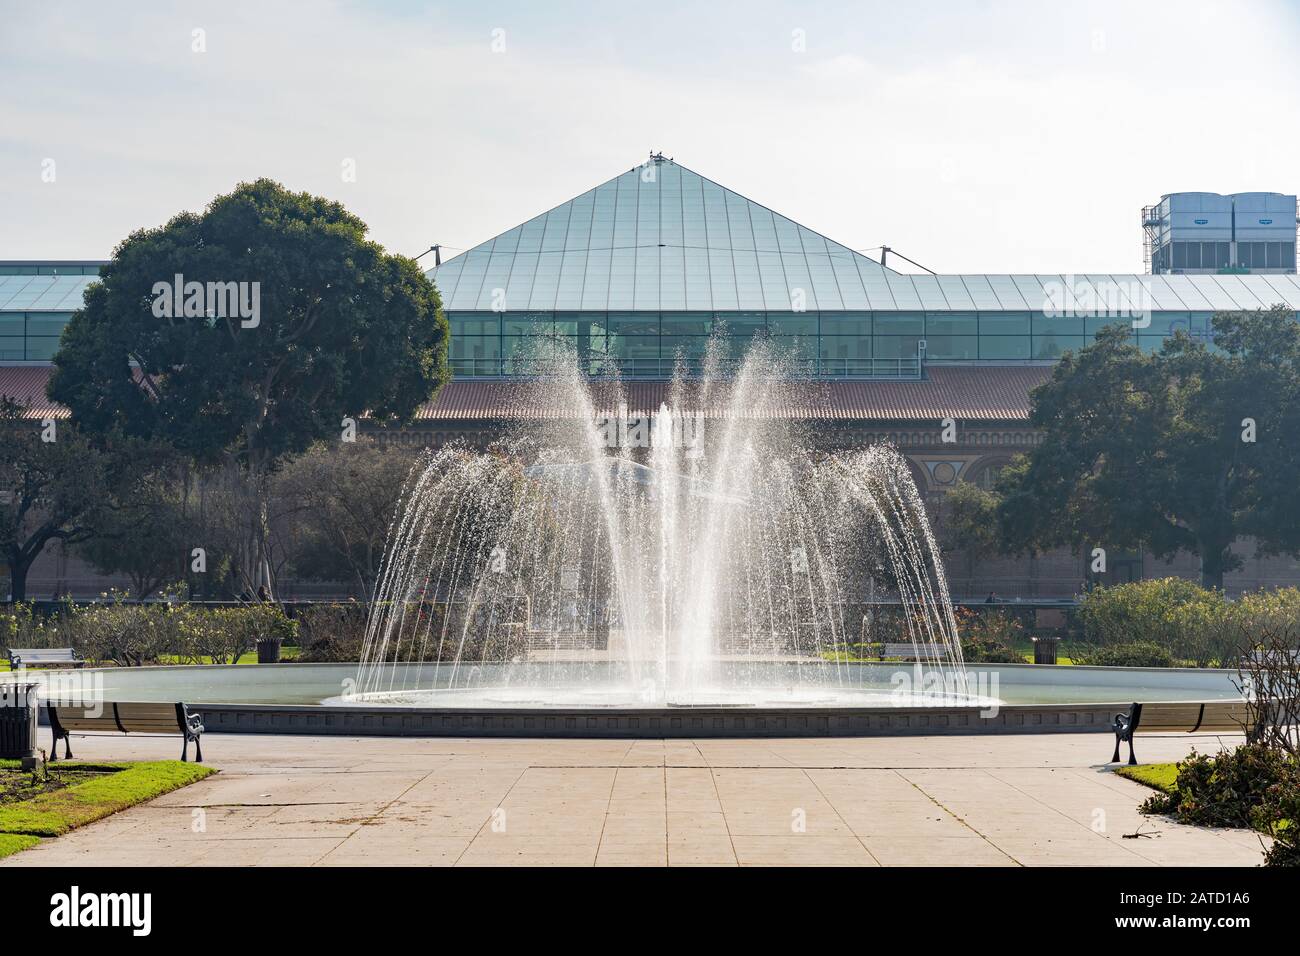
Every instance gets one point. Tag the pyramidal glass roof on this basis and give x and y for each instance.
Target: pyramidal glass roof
(659, 237)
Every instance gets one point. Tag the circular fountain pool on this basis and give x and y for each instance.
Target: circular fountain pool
(318, 699)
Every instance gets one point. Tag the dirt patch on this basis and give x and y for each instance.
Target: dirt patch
(16, 785)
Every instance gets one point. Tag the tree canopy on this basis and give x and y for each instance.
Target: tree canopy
(1185, 449)
(284, 320)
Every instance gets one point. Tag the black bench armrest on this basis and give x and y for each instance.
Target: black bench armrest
(1124, 725)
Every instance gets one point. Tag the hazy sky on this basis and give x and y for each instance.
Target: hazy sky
(973, 137)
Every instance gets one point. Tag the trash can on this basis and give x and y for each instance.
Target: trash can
(268, 651)
(19, 703)
(1045, 649)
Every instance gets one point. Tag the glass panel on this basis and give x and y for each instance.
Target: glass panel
(11, 350)
(12, 323)
(797, 347)
(634, 323)
(686, 323)
(845, 347)
(474, 323)
(40, 349)
(1092, 325)
(475, 347)
(1004, 346)
(792, 323)
(689, 346)
(951, 346)
(743, 325)
(895, 346)
(897, 323)
(1051, 346)
(950, 323)
(846, 323)
(634, 346)
(1004, 323)
(1056, 325)
(527, 323)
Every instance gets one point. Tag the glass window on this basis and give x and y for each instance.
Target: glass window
(1004, 346)
(474, 323)
(12, 349)
(13, 323)
(950, 323)
(895, 346)
(845, 347)
(41, 348)
(1094, 324)
(846, 323)
(798, 347)
(1056, 324)
(633, 323)
(899, 323)
(527, 323)
(689, 346)
(469, 346)
(742, 326)
(1052, 346)
(634, 346)
(1004, 323)
(951, 346)
(792, 323)
(686, 323)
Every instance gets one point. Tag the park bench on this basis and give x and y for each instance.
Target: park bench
(150, 719)
(20, 657)
(1214, 716)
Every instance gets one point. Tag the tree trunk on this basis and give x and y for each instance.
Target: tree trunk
(1212, 568)
(262, 572)
(17, 581)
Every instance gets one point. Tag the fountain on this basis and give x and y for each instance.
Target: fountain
(703, 555)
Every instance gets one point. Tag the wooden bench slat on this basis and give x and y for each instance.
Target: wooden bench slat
(126, 717)
(1211, 716)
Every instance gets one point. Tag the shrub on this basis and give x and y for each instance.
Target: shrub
(331, 633)
(989, 637)
(1252, 786)
(1187, 620)
(129, 635)
(1137, 654)
(1222, 790)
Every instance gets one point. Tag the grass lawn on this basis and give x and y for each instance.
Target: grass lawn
(98, 790)
(287, 653)
(1157, 776)
(13, 842)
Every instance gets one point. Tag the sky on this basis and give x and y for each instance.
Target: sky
(971, 137)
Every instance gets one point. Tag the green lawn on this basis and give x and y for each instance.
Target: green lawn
(13, 842)
(56, 812)
(1157, 776)
(287, 653)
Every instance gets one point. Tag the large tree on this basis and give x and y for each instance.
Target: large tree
(285, 321)
(51, 484)
(1186, 449)
(341, 500)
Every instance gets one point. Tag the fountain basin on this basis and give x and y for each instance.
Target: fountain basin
(314, 699)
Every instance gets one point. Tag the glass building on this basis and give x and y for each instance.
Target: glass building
(638, 272)
(36, 301)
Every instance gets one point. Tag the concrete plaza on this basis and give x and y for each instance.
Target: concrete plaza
(1029, 800)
